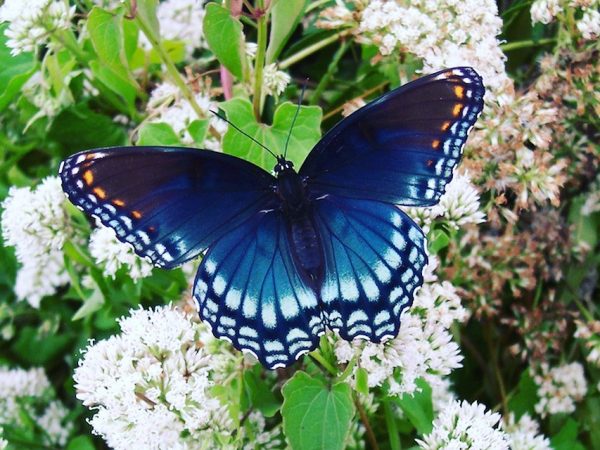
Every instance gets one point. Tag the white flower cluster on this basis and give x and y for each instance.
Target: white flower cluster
(166, 105)
(443, 34)
(462, 425)
(524, 434)
(589, 335)
(180, 20)
(36, 224)
(275, 81)
(423, 348)
(151, 384)
(559, 388)
(17, 385)
(546, 11)
(32, 22)
(113, 254)
(459, 206)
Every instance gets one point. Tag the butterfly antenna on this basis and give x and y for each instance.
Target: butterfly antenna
(220, 116)
(287, 141)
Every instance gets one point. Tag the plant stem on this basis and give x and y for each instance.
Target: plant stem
(365, 420)
(331, 69)
(392, 426)
(312, 49)
(525, 44)
(319, 358)
(259, 62)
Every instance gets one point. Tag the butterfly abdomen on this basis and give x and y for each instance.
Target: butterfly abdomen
(306, 246)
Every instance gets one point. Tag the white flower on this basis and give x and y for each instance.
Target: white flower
(32, 22)
(462, 425)
(525, 434)
(589, 24)
(150, 385)
(275, 81)
(113, 254)
(3, 442)
(423, 348)
(18, 384)
(589, 335)
(544, 11)
(435, 32)
(460, 203)
(559, 388)
(36, 223)
(166, 105)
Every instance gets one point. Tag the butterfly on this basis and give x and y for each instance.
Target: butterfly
(290, 255)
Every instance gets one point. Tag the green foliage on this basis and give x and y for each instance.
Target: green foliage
(303, 137)
(285, 16)
(225, 38)
(14, 71)
(419, 407)
(316, 415)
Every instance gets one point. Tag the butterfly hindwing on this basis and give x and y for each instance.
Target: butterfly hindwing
(168, 203)
(401, 148)
(249, 291)
(374, 257)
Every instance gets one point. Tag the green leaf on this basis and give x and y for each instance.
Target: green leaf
(81, 442)
(78, 128)
(198, 129)
(14, 70)
(438, 240)
(259, 393)
(362, 381)
(566, 438)
(419, 407)
(316, 415)
(158, 133)
(525, 398)
(92, 302)
(146, 14)
(303, 137)
(285, 16)
(225, 38)
(38, 349)
(115, 82)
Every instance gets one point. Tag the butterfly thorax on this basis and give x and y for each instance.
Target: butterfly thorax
(296, 208)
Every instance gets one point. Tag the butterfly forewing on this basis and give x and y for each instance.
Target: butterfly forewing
(403, 147)
(168, 203)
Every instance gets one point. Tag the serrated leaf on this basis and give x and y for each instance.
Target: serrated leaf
(303, 137)
(158, 133)
(418, 407)
(224, 36)
(14, 70)
(316, 415)
(285, 16)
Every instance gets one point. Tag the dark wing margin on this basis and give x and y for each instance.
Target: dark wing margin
(403, 147)
(248, 289)
(169, 203)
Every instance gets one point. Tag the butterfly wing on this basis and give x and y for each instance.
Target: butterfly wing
(248, 289)
(374, 257)
(403, 147)
(169, 203)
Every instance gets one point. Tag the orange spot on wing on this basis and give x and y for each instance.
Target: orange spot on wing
(151, 229)
(90, 156)
(429, 162)
(136, 214)
(459, 91)
(457, 109)
(118, 202)
(435, 144)
(100, 193)
(88, 177)
(445, 126)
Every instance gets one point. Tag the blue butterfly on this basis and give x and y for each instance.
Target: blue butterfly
(290, 255)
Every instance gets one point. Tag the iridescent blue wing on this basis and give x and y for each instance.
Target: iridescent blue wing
(401, 148)
(169, 203)
(374, 257)
(248, 289)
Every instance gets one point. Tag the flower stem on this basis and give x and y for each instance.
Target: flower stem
(525, 44)
(259, 62)
(365, 420)
(312, 49)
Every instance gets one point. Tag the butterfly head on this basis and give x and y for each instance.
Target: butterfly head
(283, 165)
